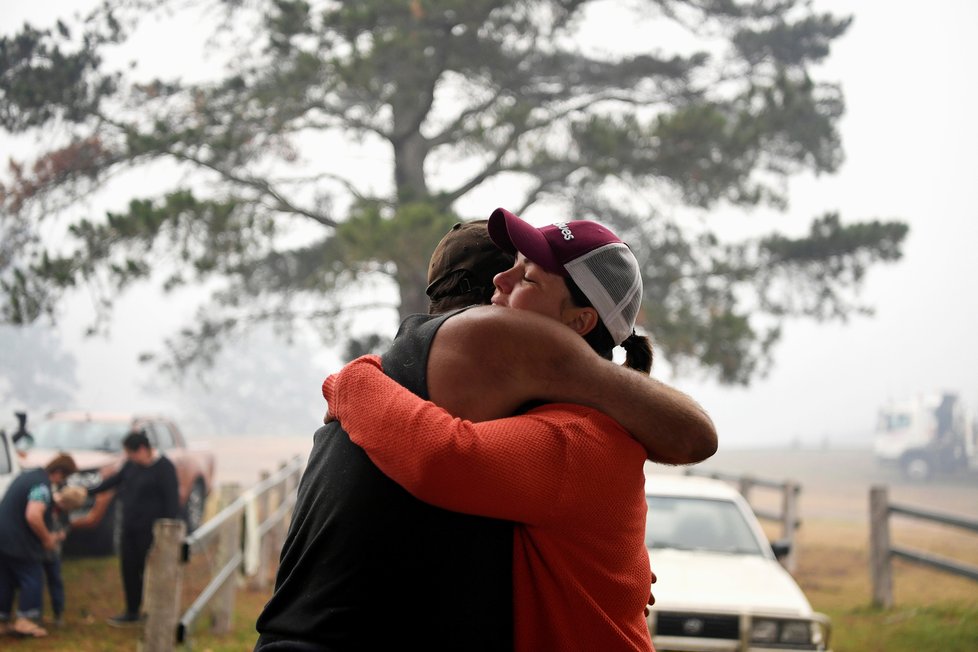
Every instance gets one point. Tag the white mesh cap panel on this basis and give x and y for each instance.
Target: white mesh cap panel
(610, 278)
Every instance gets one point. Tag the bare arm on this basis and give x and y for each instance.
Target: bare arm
(103, 492)
(95, 515)
(35, 520)
(487, 362)
(511, 468)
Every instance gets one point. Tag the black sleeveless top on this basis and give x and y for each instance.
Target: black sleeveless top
(366, 566)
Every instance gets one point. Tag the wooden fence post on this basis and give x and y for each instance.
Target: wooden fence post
(744, 486)
(162, 585)
(259, 581)
(229, 544)
(789, 515)
(880, 569)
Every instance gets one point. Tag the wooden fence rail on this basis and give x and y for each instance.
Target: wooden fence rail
(248, 533)
(788, 516)
(881, 551)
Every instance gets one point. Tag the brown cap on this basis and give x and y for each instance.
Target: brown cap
(62, 462)
(462, 267)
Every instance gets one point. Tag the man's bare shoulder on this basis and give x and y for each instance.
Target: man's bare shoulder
(478, 344)
(487, 361)
(488, 324)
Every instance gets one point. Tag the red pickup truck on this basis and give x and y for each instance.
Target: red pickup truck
(94, 439)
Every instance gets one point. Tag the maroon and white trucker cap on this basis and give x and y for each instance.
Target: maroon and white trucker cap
(601, 265)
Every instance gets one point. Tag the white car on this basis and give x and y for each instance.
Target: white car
(719, 585)
(9, 460)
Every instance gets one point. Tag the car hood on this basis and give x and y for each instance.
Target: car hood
(86, 460)
(697, 580)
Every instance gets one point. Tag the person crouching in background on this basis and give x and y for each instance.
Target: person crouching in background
(24, 538)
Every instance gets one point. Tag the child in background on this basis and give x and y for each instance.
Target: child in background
(65, 501)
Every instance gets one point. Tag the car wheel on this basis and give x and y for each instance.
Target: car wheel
(917, 468)
(194, 510)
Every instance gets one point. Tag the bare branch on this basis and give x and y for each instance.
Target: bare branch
(261, 185)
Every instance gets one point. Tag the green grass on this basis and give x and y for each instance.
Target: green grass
(933, 611)
(94, 592)
(944, 627)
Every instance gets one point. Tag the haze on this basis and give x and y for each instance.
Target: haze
(910, 139)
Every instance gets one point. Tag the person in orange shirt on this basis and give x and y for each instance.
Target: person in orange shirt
(570, 477)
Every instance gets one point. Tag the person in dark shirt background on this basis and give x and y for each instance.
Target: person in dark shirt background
(147, 487)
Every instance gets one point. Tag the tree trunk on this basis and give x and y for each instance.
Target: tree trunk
(409, 177)
(410, 152)
(412, 283)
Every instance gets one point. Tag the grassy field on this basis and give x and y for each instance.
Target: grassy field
(933, 612)
(95, 593)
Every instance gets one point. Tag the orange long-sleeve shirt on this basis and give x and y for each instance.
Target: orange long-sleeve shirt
(570, 477)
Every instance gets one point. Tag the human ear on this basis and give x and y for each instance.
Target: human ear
(582, 320)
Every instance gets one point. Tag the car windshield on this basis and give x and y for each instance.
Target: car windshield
(688, 523)
(80, 435)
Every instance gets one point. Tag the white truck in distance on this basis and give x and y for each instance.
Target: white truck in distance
(927, 435)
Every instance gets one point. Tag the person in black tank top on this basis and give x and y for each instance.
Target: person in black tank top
(365, 565)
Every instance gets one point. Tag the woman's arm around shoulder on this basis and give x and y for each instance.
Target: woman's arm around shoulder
(487, 362)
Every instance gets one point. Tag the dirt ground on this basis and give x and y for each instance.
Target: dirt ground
(242, 459)
(835, 484)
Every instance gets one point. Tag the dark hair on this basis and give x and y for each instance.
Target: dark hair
(465, 295)
(638, 348)
(136, 440)
(638, 352)
(62, 462)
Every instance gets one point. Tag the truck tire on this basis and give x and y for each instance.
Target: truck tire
(193, 511)
(917, 468)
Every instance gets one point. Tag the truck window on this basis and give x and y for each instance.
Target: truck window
(890, 421)
(162, 435)
(58, 434)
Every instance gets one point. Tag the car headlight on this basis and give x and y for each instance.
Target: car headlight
(797, 632)
(790, 632)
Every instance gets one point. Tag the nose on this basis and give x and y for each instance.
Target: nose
(504, 281)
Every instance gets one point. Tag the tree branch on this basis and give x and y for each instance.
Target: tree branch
(261, 185)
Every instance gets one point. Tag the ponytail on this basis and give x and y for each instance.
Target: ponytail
(638, 348)
(638, 352)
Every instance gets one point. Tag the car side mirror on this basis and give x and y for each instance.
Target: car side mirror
(24, 442)
(781, 548)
